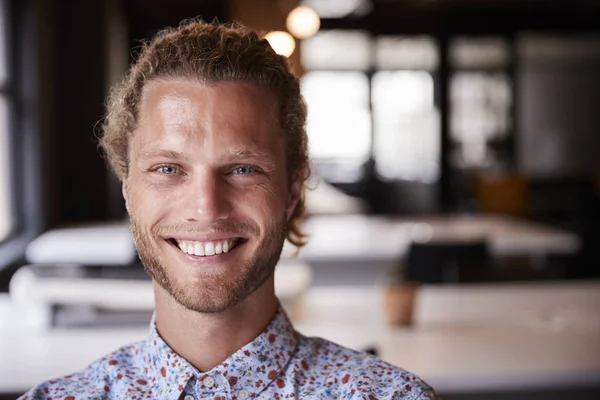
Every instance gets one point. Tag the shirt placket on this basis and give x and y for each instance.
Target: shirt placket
(210, 386)
(239, 391)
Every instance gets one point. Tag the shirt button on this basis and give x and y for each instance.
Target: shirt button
(243, 394)
(208, 382)
(189, 397)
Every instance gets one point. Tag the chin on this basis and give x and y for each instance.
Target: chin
(215, 283)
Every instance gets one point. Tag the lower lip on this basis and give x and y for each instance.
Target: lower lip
(208, 260)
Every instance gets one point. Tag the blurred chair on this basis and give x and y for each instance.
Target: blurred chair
(449, 262)
(587, 226)
(501, 194)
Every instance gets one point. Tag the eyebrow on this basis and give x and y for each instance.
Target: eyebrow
(244, 154)
(161, 153)
(232, 156)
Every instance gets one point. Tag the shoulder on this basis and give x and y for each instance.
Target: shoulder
(99, 380)
(349, 373)
(70, 387)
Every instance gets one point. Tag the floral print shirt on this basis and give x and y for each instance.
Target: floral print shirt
(279, 364)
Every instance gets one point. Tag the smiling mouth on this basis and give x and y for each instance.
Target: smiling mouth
(208, 248)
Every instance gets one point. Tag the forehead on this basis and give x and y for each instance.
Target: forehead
(172, 110)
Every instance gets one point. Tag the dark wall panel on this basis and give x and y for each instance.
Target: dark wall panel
(79, 95)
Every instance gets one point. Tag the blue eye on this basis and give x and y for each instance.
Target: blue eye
(244, 170)
(167, 169)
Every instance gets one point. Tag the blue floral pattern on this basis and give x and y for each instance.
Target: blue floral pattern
(279, 364)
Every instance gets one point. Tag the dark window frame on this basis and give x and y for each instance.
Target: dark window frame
(21, 90)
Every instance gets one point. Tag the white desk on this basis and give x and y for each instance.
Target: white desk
(30, 357)
(341, 238)
(475, 338)
(468, 338)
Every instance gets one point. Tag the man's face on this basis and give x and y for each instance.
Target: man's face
(207, 190)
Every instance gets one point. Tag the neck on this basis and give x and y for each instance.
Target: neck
(206, 340)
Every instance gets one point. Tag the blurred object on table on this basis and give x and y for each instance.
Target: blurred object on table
(500, 193)
(444, 262)
(399, 302)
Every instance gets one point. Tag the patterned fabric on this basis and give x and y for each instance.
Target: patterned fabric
(279, 364)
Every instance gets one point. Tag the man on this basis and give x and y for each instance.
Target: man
(207, 134)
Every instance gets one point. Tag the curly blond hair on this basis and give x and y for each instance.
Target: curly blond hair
(211, 52)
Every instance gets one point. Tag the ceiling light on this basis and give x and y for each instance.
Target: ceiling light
(282, 42)
(339, 8)
(303, 22)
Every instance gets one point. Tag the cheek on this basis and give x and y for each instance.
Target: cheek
(269, 201)
(148, 203)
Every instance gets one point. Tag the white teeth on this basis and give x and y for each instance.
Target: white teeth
(206, 248)
(199, 249)
(209, 249)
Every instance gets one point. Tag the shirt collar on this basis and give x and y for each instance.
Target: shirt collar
(252, 368)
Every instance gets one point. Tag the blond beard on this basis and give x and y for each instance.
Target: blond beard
(213, 294)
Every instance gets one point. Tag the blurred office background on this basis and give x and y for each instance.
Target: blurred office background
(456, 141)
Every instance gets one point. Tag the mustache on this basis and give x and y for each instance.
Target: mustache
(241, 227)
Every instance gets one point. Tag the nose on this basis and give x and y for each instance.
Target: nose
(206, 197)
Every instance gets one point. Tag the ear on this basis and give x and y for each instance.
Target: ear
(295, 192)
(125, 196)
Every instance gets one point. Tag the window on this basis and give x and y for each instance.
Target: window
(480, 114)
(388, 115)
(407, 141)
(481, 101)
(6, 222)
(408, 53)
(324, 51)
(337, 93)
(339, 124)
(406, 120)
(6, 217)
(479, 53)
